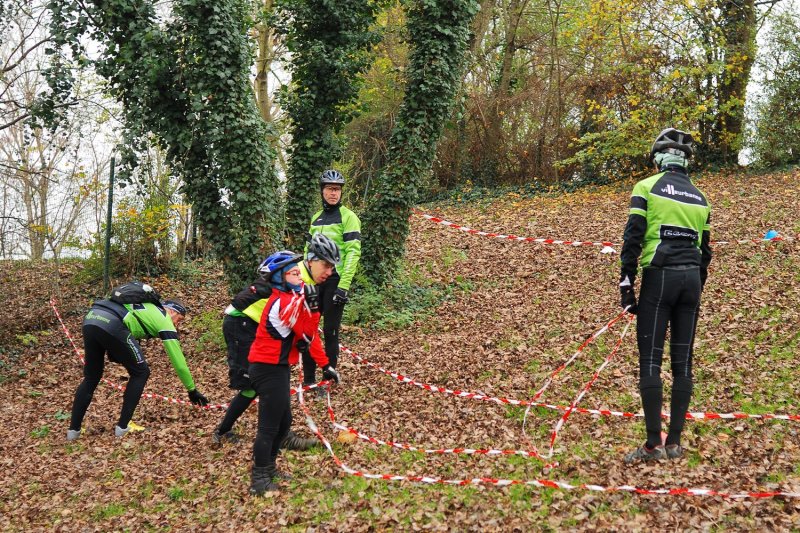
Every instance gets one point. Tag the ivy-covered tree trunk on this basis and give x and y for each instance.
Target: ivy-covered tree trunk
(330, 44)
(439, 31)
(188, 85)
(737, 25)
(240, 212)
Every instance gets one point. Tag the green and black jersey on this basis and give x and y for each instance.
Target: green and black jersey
(149, 321)
(669, 224)
(344, 228)
(251, 301)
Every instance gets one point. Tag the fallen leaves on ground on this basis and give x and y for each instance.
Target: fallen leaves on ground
(516, 312)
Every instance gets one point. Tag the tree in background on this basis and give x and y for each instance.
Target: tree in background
(728, 35)
(48, 163)
(185, 79)
(574, 90)
(438, 32)
(329, 44)
(379, 100)
(776, 128)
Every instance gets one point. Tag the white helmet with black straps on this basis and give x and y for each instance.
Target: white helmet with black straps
(672, 141)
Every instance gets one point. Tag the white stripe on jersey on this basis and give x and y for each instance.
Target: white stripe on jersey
(275, 319)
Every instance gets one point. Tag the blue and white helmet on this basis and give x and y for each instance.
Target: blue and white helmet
(278, 261)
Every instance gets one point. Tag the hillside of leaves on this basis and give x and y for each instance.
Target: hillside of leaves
(467, 312)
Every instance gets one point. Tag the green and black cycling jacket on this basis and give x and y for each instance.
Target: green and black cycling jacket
(344, 228)
(251, 301)
(148, 321)
(669, 224)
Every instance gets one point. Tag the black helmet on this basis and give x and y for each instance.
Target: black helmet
(176, 305)
(323, 247)
(331, 177)
(673, 141)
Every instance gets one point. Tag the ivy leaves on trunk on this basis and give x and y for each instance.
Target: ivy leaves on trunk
(186, 83)
(330, 46)
(438, 32)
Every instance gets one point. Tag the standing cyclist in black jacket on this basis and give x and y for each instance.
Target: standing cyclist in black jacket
(669, 227)
(343, 227)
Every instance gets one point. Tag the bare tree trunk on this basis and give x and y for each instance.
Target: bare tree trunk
(554, 9)
(481, 25)
(266, 38)
(494, 143)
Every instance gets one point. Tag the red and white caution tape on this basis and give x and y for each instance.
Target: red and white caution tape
(580, 349)
(540, 483)
(465, 229)
(756, 241)
(608, 246)
(483, 397)
(511, 401)
(486, 451)
(430, 451)
(501, 482)
(458, 393)
(586, 388)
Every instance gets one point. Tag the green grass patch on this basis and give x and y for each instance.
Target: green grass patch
(40, 432)
(397, 305)
(211, 340)
(110, 510)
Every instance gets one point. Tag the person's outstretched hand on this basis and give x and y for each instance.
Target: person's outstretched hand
(330, 373)
(197, 398)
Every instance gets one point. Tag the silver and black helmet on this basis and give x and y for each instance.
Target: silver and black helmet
(323, 247)
(331, 177)
(673, 141)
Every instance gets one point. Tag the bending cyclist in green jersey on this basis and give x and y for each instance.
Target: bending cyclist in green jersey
(114, 329)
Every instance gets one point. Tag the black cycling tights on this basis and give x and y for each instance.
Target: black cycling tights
(331, 322)
(122, 348)
(669, 296)
(271, 383)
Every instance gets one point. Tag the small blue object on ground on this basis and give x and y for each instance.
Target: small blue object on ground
(771, 234)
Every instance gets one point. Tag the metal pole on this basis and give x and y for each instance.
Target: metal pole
(107, 258)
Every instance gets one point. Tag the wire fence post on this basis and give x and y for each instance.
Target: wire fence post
(107, 257)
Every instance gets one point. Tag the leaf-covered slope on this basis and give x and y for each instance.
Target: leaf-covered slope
(512, 313)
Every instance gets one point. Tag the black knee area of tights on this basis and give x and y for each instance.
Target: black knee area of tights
(139, 371)
(650, 382)
(683, 384)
